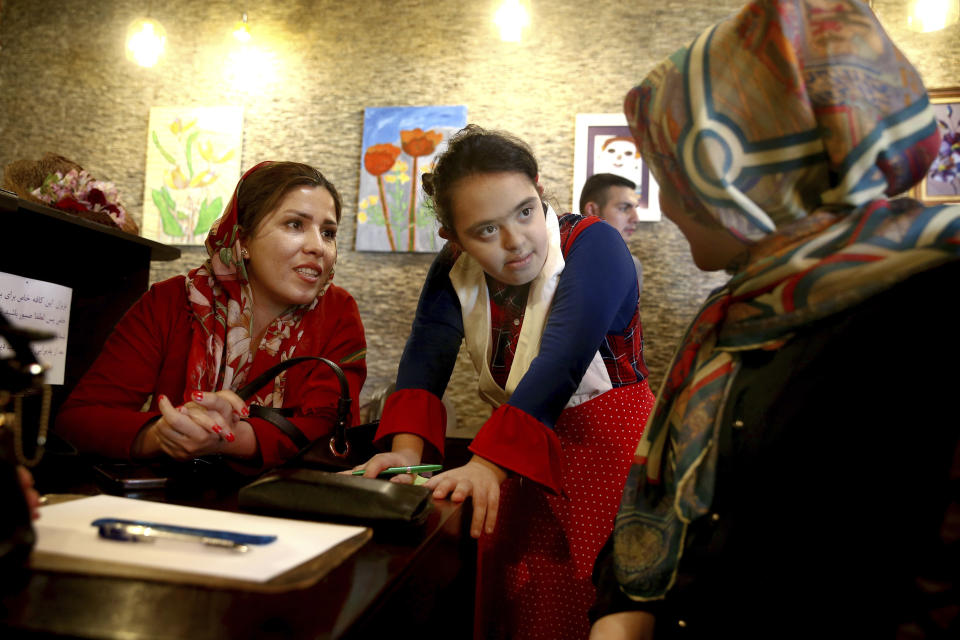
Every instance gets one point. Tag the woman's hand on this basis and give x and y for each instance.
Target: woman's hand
(226, 404)
(210, 424)
(479, 479)
(191, 430)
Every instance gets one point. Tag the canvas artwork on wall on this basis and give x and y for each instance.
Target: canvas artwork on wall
(603, 144)
(193, 164)
(399, 146)
(941, 185)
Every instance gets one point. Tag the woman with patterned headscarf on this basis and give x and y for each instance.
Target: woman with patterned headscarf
(264, 295)
(794, 477)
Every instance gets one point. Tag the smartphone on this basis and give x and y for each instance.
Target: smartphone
(122, 476)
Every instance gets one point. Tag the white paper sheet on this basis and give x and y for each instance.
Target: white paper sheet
(65, 529)
(42, 306)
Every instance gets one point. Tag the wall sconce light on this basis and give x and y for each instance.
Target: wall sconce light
(146, 40)
(924, 16)
(241, 30)
(512, 17)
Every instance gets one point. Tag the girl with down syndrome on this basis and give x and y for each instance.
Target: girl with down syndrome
(548, 308)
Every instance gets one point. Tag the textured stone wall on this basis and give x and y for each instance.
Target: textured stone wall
(66, 87)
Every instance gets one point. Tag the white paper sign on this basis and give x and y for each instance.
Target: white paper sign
(42, 306)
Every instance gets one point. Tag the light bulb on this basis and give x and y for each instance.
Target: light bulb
(511, 17)
(932, 15)
(146, 40)
(241, 30)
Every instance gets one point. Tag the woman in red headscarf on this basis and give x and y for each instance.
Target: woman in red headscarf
(263, 296)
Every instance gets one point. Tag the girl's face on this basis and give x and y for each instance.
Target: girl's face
(498, 219)
(292, 250)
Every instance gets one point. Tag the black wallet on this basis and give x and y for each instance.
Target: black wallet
(320, 495)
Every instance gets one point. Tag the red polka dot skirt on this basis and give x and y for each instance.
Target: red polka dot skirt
(533, 572)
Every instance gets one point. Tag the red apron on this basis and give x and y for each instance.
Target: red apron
(533, 572)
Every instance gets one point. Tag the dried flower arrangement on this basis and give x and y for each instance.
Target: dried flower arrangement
(61, 183)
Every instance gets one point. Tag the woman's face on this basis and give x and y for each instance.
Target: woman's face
(292, 250)
(498, 219)
(713, 249)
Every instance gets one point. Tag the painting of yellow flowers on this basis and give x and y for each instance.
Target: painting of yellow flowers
(193, 164)
(399, 146)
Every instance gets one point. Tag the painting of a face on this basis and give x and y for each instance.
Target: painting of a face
(618, 155)
(604, 144)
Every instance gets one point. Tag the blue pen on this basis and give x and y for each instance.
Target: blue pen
(142, 531)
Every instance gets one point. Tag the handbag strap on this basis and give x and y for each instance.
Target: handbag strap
(338, 441)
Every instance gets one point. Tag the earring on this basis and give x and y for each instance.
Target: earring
(244, 253)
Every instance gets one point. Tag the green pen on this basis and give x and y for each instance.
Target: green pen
(416, 468)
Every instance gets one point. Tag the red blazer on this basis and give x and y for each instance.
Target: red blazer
(146, 356)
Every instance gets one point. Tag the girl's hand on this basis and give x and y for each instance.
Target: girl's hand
(407, 451)
(479, 479)
(381, 461)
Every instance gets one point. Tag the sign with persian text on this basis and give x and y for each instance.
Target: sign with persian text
(42, 306)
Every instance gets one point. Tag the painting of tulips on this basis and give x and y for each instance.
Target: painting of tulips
(193, 164)
(399, 146)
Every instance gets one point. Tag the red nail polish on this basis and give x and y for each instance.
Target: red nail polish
(245, 412)
(230, 437)
(217, 429)
(197, 395)
(163, 397)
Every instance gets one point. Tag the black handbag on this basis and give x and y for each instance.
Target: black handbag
(321, 495)
(346, 446)
(304, 487)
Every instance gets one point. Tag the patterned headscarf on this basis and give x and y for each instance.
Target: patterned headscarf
(222, 302)
(788, 125)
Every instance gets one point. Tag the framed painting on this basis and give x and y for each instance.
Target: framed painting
(603, 144)
(399, 146)
(941, 185)
(193, 165)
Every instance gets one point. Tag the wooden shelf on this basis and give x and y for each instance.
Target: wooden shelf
(9, 202)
